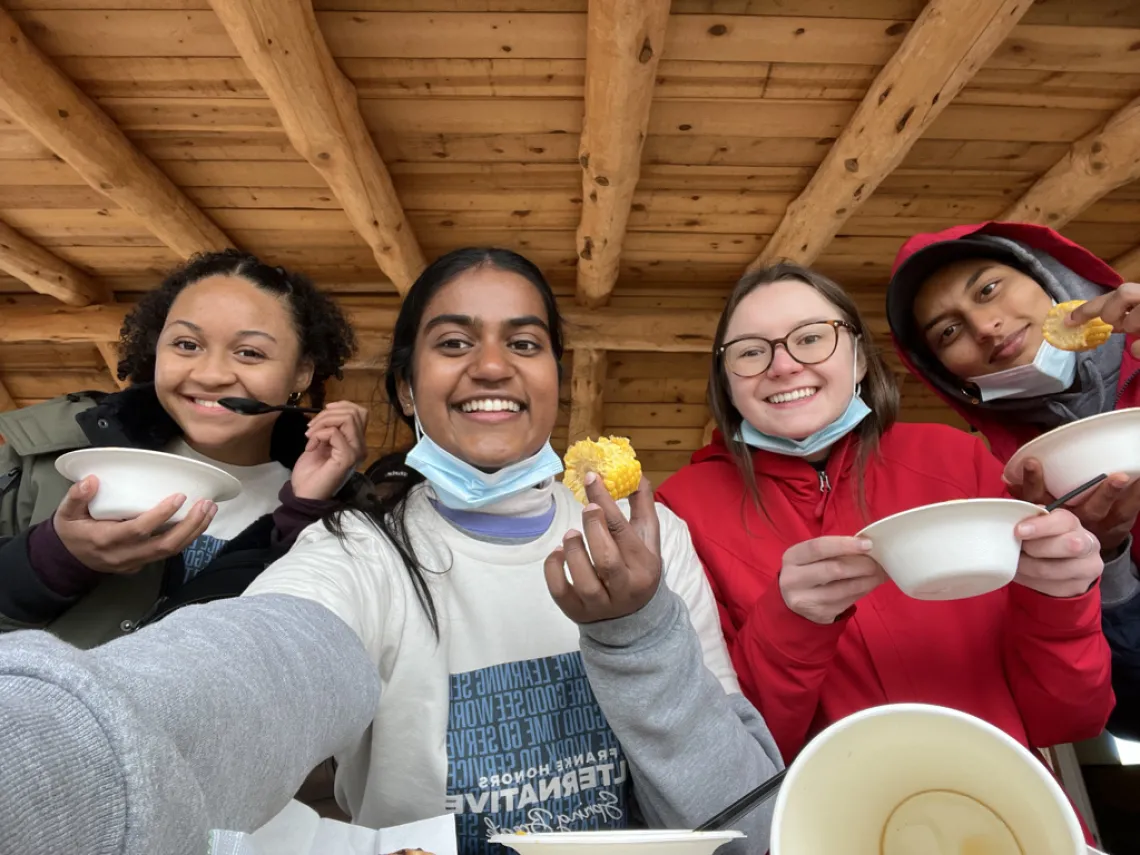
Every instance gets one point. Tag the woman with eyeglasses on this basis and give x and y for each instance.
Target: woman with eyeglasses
(808, 452)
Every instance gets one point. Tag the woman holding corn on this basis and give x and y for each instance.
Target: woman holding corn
(807, 454)
(525, 682)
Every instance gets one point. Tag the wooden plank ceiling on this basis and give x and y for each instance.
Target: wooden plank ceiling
(643, 152)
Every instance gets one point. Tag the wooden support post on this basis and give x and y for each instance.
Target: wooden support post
(623, 47)
(587, 394)
(41, 98)
(6, 401)
(1128, 264)
(707, 436)
(282, 44)
(109, 350)
(1094, 166)
(45, 272)
(948, 43)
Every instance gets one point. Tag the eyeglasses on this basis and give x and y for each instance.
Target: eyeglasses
(808, 344)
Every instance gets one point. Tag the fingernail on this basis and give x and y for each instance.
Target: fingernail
(210, 508)
(1026, 530)
(865, 544)
(591, 507)
(570, 534)
(179, 499)
(590, 478)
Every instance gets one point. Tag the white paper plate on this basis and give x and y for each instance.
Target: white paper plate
(134, 480)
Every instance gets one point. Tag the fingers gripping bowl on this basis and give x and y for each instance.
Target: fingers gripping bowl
(134, 480)
(951, 550)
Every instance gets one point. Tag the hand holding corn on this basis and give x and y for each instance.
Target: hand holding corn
(1112, 310)
(622, 569)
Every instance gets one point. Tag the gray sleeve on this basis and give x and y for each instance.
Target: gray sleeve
(1119, 582)
(692, 748)
(211, 718)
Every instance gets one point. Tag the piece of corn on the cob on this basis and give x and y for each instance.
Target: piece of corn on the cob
(1088, 336)
(612, 458)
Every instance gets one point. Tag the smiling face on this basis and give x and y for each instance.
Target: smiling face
(484, 377)
(226, 337)
(791, 400)
(979, 316)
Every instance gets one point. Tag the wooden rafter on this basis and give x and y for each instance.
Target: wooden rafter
(947, 44)
(282, 44)
(587, 394)
(47, 273)
(39, 96)
(109, 350)
(623, 48)
(6, 400)
(1128, 264)
(666, 330)
(1094, 165)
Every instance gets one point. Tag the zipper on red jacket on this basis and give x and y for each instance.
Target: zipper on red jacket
(824, 482)
(1124, 387)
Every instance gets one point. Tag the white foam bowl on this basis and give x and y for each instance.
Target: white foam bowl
(648, 842)
(920, 780)
(1079, 451)
(134, 480)
(951, 550)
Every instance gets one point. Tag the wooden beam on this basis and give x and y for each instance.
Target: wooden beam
(6, 401)
(1094, 166)
(45, 272)
(667, 330)
(282, 44)
(41, 98)
(947, 44)
(1128, 264)
(109, 350)
(623, 46)
(587, 394)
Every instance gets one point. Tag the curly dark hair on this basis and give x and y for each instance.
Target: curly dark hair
(327, 338)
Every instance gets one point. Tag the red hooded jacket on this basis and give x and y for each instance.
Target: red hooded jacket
(1035, 666)
(1006, 437)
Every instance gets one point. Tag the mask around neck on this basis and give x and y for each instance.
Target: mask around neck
(1052, 371)
(462, 487)
(822, 439)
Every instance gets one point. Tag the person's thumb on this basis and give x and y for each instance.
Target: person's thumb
(74, 504)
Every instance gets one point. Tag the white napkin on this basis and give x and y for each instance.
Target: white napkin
(300, 830)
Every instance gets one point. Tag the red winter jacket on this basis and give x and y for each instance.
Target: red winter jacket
(1035, 666)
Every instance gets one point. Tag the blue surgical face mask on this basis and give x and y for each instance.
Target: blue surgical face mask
(462, 487)
(822, 439)
(1051, 371)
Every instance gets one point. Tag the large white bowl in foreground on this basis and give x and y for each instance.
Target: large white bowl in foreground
(913, 779)
(134, 480)
(634, 842)
(1075, 453)
(951, 550)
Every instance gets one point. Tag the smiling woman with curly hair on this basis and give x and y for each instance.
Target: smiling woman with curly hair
(222, 324)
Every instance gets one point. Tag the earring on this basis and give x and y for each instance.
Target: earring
(294, 399)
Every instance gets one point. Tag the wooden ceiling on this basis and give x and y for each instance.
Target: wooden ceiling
(356, 138)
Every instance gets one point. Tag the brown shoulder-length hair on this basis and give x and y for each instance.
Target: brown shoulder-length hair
(879, 389)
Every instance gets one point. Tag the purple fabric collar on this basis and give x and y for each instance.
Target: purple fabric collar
(496, 525)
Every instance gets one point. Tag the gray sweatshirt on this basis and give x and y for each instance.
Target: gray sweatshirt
(212, 719)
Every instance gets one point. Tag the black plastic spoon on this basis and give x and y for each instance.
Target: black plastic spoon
(254, 407)
(744, 804)
(1072, 494)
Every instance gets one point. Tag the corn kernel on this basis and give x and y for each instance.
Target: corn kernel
(611, 458)
(1088, 336)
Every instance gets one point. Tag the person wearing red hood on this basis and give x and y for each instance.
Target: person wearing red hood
(808, 453)
(966, 307)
